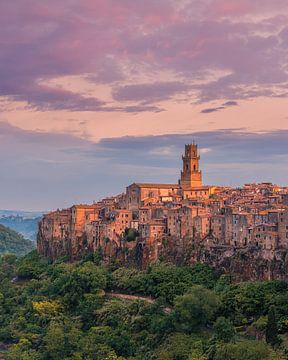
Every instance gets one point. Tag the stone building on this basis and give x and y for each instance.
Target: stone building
(172, 219)
(189, 186)
(191, 175)
(283, 229)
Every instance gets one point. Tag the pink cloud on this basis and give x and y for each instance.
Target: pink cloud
(231, 7)
(220, 8)
(73, 37)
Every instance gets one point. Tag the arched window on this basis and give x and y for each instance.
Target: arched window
(194, 167)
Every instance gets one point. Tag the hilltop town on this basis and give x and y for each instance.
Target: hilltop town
(242, 230)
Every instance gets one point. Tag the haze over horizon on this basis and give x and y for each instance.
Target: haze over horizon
(95, 95)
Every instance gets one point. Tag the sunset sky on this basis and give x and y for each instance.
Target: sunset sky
(97, 94)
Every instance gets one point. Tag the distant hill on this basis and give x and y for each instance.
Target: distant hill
(25, 223)
(24, 214)
(13, 242)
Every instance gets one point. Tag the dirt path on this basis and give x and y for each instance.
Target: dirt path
(147, 299)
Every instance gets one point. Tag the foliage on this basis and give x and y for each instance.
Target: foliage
(224, 329)
(163, 280)
(248, 350)
(32, 266)
(14, 243)
(180, 347)
(195, 309)
(130, 234)
(62, 311)
(271, 328)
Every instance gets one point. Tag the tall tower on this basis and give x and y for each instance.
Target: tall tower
(191, 176)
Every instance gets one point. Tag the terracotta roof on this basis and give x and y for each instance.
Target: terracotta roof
(198, 188)
(85, 206)
(159, 186)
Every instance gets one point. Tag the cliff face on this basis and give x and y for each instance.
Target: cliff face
(75, 231)
(53, 238)
(249, 264)
(243, 264)
(58, 237)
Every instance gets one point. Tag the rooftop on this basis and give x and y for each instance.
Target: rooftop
(158, 186)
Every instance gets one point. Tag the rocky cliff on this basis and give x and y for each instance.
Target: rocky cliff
(57, 238)
(243, 264)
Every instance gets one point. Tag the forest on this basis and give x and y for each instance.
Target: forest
(63, 310)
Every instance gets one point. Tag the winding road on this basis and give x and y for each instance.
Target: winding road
(147, 299)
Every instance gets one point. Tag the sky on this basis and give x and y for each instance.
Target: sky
(98, 94)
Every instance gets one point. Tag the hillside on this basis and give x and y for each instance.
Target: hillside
(25, 223)
(26, 227)
(87, 311)
(13, 242)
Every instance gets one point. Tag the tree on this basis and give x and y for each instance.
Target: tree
(55, 340)
(195, 309)
(95, 345)
(197, 355)
(130, 234)
(47, 309)
(62, 340)
(181, 347)
(22, 351)
(83, 279)
(271, 328)
(224, 329)
(248, 350)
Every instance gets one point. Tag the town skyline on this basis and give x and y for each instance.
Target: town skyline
(181, 220)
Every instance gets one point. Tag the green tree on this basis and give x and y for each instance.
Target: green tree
(180, 347)
(197, 355)
(224, 329)
(248, 350)
(62, 340)
(271, 328)
(195, 309)
(74, 283)
(32, 266)
(130, 234)
(22, 351)
(55, 341)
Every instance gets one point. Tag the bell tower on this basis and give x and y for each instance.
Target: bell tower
(191, 176)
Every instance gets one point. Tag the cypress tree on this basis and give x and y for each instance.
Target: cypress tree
(271, 328)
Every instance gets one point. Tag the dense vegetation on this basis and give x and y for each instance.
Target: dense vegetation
(14, 243)
(70, 311)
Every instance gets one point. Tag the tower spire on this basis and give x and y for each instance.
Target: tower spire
(191, 176)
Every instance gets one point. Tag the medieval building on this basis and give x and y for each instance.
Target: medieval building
(186, 220)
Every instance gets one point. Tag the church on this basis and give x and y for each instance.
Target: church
(188, 187)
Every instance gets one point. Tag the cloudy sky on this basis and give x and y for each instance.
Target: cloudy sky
(96, 94)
